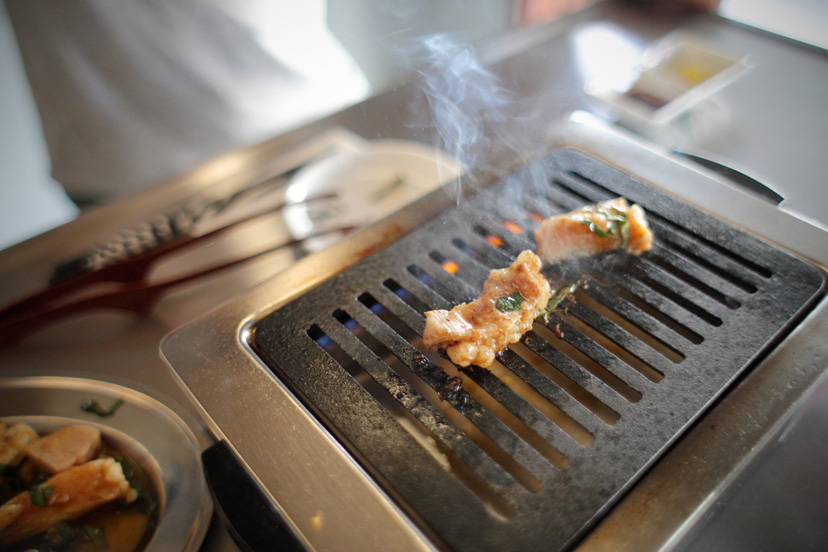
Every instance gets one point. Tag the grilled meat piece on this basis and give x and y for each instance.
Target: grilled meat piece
(604, 226)
(63, 449)
(13, 442)
(67, 495)
(472, 333)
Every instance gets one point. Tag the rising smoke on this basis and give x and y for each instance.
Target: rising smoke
(471, 113)
(464, 98)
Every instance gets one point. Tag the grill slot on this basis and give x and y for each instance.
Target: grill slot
(467, 272)
(649, 303)
(612, 338)
(451, 276)
(708, 259)
(611, 403)
(509, 242)
(521, 359)
(482, 252)
(431, 431)
(435, 289)
(659, 300)
(676, 291)
(740, 259)
(583, 359)
(678, 267)
(601, 350)
(528, 454)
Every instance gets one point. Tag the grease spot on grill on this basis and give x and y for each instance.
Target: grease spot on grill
(450, 388)
(419, 360)
(389, 235)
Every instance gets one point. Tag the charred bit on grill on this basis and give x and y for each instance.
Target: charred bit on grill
(558, 333)
(450, 388)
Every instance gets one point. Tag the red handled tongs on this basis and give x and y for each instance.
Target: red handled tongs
(135, 294)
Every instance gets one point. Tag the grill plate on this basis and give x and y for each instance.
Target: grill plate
(563, 425)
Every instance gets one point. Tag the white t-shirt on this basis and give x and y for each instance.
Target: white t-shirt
(134, 92)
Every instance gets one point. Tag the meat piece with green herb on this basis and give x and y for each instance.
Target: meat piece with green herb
(604, 226)
(473, 333)
(65, 496)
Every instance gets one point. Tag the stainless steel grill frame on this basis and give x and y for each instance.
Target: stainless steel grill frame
(546, 497)
(347, 508)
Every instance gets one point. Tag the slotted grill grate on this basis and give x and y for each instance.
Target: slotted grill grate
(527, 454)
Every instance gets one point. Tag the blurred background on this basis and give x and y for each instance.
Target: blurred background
(373, 35)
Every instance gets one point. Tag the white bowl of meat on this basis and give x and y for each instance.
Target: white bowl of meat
(88, 465)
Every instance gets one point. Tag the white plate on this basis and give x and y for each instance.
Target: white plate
(149, 432)
(370, 183)
(673, 76)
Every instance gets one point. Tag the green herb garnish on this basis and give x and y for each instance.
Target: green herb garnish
(510, 302)
(94, 407)
(95, 533)
(556, 300)
(127, 469)
(40, 495)
(4, 468)
(146, 505)
(65, 532)
(617, 224)
(558, 297)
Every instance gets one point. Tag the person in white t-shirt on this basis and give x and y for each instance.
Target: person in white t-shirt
(133, 92)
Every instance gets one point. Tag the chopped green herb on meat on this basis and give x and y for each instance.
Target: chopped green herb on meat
(61, 534)
(95, 533)
(145, 503)
(126, 467)
(557, 298)
(610, 225)
(40, 494)
(617, 224)
(510, 302)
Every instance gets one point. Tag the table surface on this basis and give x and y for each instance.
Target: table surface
(772, 122)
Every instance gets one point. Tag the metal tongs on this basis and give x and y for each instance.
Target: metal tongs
(136, 294)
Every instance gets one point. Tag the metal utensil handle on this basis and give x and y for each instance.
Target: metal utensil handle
(738, 177)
